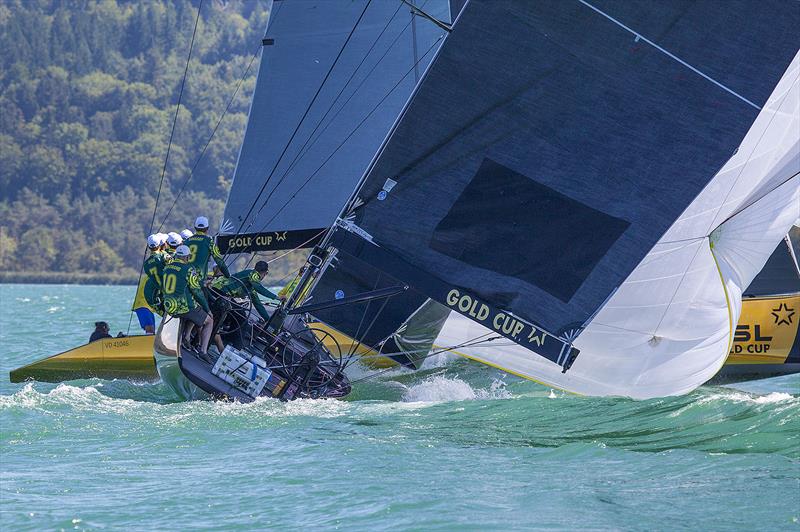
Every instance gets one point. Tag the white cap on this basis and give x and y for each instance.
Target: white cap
(162, 238)
(182, 251)
(153, 241)
(174, 239)
(186, 234)
(201, 223)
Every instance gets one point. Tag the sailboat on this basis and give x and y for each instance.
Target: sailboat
(340, 261)
(766, 341)
(588, 187)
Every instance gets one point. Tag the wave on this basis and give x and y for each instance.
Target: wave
(440, 388)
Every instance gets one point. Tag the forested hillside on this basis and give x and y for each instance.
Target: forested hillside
(88, 90)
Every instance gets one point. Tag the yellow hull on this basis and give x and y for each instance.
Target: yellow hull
(767, 331)
(110, 358)
(766, 341)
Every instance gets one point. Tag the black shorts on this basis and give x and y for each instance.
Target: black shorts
(197, 315)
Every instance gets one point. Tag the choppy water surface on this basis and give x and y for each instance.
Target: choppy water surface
(457, 445)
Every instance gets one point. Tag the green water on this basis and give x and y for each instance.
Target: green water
(456, 446)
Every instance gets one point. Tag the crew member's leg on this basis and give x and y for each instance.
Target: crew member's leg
(187, 335)
(205, 333)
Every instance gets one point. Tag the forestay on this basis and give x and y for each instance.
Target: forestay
(614, 174)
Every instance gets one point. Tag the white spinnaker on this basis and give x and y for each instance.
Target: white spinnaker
(669, 327)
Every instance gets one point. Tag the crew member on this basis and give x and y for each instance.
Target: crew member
(287, 290)
(247, 283)
(173, 241)
(202, 248)
(154, 296)
(183, 298)
(152, 267)
(100, 331)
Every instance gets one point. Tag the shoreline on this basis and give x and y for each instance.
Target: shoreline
(67, 278)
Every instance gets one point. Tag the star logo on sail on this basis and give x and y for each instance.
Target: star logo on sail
(280, 237)
(783, 314)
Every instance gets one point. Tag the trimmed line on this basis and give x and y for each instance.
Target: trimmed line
(669, 54)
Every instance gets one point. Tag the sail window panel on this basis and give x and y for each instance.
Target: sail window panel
(508, 223)
(559, 94)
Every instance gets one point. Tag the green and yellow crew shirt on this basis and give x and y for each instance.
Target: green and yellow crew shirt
(287, 290)
(154, 265)
(246, 283)
(181, 288)
(152, 268)
(201, 248)
(153, 296)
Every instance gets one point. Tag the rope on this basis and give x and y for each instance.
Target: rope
(302, 119)
(303, 151)
(169, 146)
(344, 141)
(468, 343)
(213, 132)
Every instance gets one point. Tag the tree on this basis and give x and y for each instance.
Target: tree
(87, 97)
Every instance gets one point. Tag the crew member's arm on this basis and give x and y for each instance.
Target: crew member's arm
(261, 289)
(152, 294)
(259, 305)
(197, 292)
(289, 288)
(219, 259)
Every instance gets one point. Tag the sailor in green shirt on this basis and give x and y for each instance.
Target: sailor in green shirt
(202, 248)
(287, 290)
(145, 296)
(247, 283)
(183, 297)
(153, 296)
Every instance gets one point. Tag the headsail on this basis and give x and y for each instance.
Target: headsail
(373, 75)
(579, 186)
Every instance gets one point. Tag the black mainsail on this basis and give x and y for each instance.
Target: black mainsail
(584, 133)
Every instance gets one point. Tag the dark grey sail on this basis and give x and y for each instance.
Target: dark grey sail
(342, 72)
(582, 130)
(781, 273)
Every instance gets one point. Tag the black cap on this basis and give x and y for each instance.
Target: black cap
(99, 324)
(262, 266)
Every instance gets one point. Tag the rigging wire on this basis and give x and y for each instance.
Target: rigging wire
(302, 119)
(302, 152)
(213, 132)
(169, 145)
(469, 343)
